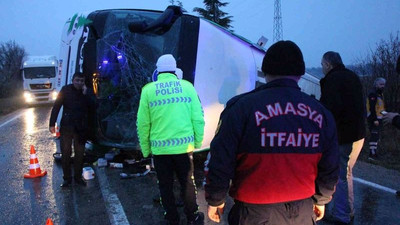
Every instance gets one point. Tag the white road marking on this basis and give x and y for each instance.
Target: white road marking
(74, 200)
(114, 208)
(10, 120)
(377, 186)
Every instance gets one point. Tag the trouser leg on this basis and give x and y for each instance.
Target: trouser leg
(341, 205)
(164, 167)
(184, 170)
(373, 142)
(374, 138)
(66, 149)
(355, 152)
(79, 150)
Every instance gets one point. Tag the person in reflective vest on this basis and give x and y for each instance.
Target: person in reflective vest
(375, 111)
(170, 124)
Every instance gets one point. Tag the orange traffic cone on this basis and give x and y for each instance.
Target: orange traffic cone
(49, 222)
(57, 133)
(34, 167)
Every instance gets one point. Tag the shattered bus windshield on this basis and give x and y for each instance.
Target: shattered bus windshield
(125, 63)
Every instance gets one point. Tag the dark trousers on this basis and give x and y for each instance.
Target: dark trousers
(66, 151)
(342, 204)
(289, 213)
(182, 165)
(374, 138)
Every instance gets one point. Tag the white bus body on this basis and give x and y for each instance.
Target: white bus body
(118, 50)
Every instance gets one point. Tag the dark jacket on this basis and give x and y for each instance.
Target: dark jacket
(276, 144)
(342, 94)
(76, 106)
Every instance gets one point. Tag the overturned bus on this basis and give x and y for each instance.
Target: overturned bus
(117, 50)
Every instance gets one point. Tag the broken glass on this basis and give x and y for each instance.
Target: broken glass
(125, 63)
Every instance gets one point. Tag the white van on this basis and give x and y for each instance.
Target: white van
(117, 50)
(39, 76)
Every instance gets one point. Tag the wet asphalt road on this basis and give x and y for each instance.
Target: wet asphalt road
(32, 201)
(109, 200)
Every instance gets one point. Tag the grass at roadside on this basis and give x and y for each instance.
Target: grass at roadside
(8, 105)
(388, 149)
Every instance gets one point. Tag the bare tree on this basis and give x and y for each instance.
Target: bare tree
(381, 62)
(11, 55)
(179, 3)
(213, 12)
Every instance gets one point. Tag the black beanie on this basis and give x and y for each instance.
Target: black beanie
(283, 58)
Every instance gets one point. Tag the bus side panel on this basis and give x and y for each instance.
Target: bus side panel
(70, 61)
(225, 67)
(310, 85)
(74, 36)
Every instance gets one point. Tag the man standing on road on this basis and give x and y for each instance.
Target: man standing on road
(170, 126)
(375, 107)
(278, 147)
(342, 94)
(74, 126)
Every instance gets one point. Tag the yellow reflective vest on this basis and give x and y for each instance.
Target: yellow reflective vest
(170, 119)
(375, 106)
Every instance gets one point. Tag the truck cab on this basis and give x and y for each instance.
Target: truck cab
(39, 75)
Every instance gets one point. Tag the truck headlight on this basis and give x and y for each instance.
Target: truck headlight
(28, 97)
(54, 95)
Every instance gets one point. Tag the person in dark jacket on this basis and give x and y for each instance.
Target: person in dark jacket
(278, 147)
(342, 94)
(76, 103)
(375, 111)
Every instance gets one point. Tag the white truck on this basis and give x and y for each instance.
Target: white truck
(117, 49)
(39, 79)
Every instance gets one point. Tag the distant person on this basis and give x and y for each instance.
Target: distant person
(170, 126)
(76, 103)
(375, 107)
(275, 150)
(342, 94)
